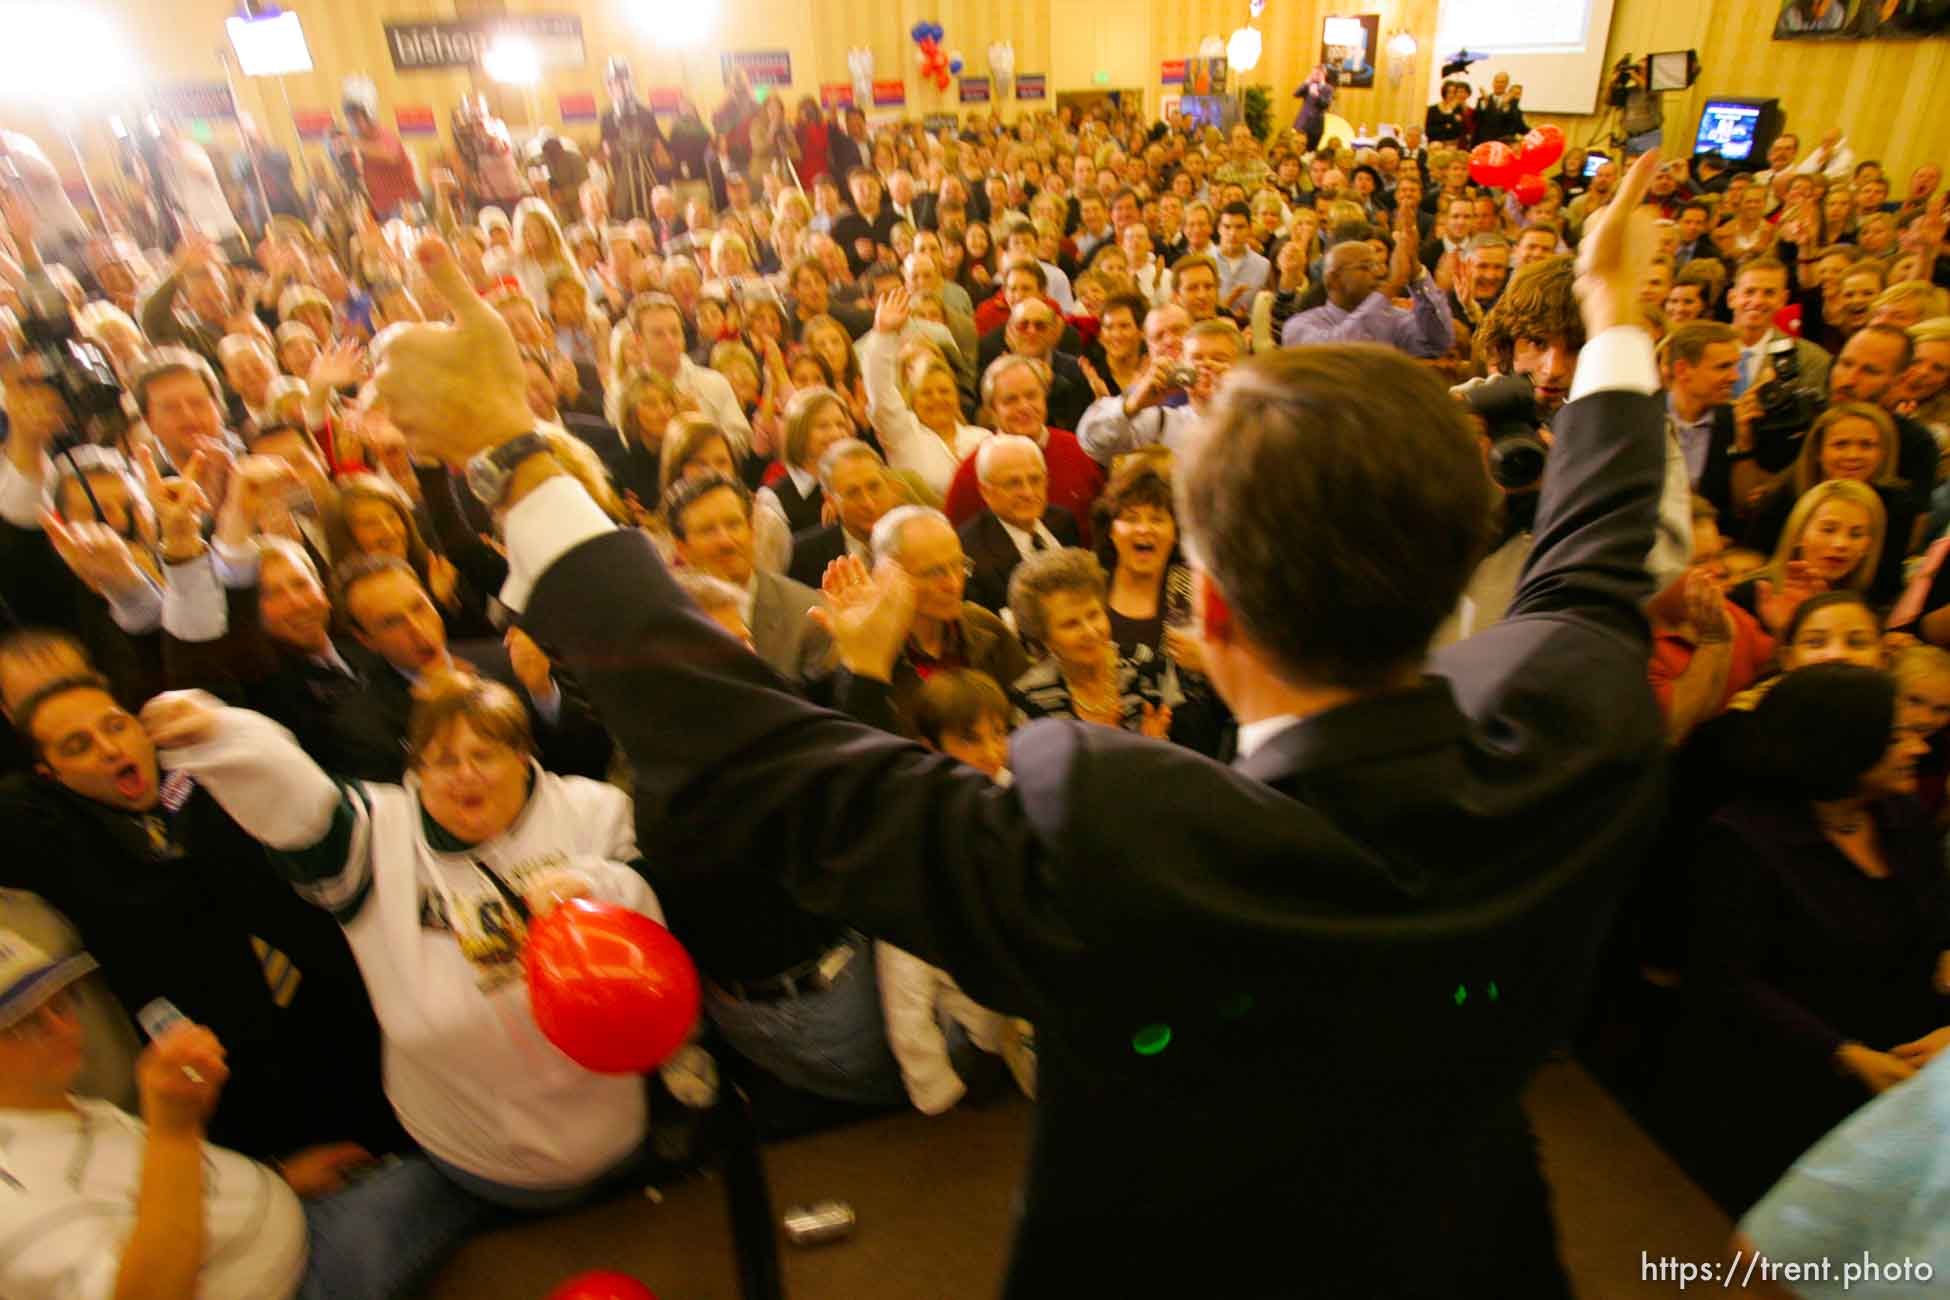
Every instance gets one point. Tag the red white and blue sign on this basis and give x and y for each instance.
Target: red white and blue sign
(761, 67)
(416, 119)
(579, 106)
(835, 94)
(1032, 86)
(889, 94)
(974, 90)
(1174, 72)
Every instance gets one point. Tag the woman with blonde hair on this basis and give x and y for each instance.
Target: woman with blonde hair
(1832, 541)
(815, 419)
(1858, 443)
(914, 403)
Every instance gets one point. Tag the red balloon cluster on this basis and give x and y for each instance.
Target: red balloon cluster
(927, 35)
(602, 1285)
(610, 987)
(1520, 170)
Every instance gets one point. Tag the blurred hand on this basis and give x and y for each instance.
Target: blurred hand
(1924, 1050)
(442, 579)
(1615, 255)
(179, 503)
(339, 366)
(454, 390)
(1876, 1071)
(320, 1171)
(177, 719)
(1090, 376)
(1776, 605)
(532, 668)
(95, 553)
(1706, 609)
(1156, 723)
(868, 617)
(891, 312)
(179, 1078)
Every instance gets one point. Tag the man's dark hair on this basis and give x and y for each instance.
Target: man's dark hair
(687, 492)
(1134, 303)
(1125, 193)
(867, 172)
(38, 698)
(355, 571)
(1367, 169)
(1539, 303)
(1339, 549)
(1864, 165)
(1350, 232)
(164, 362)
(1031, 266)
(1694, 205)
(1819, 730)
(31, 644)
(1689, 342)
(1239, 210)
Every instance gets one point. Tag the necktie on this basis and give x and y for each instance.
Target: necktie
(1036, 542)
(1748, 359)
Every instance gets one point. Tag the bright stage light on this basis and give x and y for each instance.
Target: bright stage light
(1242, 51)
(62, 52)
(512, 62)
(269, 47)
(1402, 45)
(678, 24)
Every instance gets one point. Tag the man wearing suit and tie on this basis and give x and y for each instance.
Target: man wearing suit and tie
(862, 489)
(1285, 1010)
(1018, 522)
(711, 520)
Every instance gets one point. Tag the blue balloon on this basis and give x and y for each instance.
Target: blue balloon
(935, 30)
(919, 31)
(954, 66)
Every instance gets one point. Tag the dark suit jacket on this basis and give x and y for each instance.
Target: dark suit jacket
(812, 551)
(1284, 1011)
(993, 557)
(1070, 394)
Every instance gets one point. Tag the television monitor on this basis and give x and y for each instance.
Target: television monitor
(1739, 130)
(1593, 161)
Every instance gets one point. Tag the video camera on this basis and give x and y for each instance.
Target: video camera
(1624, 80)
(58, 356)
(1788, 404)
(1507, 406)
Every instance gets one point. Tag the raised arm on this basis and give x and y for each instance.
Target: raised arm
(899, 428)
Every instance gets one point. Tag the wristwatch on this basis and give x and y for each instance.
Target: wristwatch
(489, 472)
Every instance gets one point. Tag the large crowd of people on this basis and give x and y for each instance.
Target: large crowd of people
(941, 434)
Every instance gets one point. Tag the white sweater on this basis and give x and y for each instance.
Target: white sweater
(468, 1072)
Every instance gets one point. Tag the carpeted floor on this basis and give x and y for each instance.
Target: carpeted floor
(933, 1198)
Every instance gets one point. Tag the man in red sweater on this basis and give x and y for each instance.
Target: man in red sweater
(1015, 390)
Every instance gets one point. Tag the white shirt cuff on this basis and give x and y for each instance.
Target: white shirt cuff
(1620, 359)
(20, 498)
(193, 607)
(545, 525)
(137, 610)
(236, 567)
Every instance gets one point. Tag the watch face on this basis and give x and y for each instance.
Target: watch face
(485, 479)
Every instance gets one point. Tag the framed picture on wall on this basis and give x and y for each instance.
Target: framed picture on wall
(1349, 44)
(1861, 19)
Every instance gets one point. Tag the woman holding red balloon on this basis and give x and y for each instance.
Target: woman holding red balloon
(438, 882)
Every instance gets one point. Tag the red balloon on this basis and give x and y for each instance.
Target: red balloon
(1494, 164)
(609, 986)
(602, 1285)
(1529, 189)
(1542, 147)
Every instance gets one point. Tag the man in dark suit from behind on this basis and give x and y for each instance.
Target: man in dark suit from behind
(1018, 520)
(1285, 1010)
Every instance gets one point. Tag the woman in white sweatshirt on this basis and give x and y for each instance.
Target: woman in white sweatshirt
(435, 882)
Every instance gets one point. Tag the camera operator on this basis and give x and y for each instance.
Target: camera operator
(1780, 382)
(1641, 111)
(1530, 342)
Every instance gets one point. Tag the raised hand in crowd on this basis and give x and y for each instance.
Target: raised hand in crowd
(868, 615)
(890, 314)
(1091, 377)
(532, 667)
(180, 503)
(1616, 253)
(1776, 604)
(259, 488)
(97, 555)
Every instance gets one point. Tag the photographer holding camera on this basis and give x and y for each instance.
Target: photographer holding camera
(1641, 111)
(1139, 416)
(1530, 343)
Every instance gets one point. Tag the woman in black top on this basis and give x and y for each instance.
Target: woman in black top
(815, 419)
(1853, 442)
(1822, 948)
(1448, 122)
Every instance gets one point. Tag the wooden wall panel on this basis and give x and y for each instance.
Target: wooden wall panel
(1893, 99)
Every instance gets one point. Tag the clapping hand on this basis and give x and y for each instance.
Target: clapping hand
(1776, 605)
(868, 616)
(1155, 722)
(1091, 377)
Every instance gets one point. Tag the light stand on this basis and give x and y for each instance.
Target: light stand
(237, 115)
